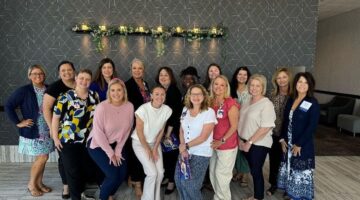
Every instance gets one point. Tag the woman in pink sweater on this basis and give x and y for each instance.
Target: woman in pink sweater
(113, 120)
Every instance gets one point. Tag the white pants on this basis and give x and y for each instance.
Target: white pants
(154, 171)
(221, 166)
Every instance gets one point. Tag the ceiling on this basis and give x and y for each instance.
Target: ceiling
(329, 8)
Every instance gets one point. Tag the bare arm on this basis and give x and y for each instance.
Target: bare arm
(48, 103)
(140, 133)
(233, 118)
(259, 134)
(55, 123)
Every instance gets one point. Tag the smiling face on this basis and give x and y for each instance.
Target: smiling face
(164, 78)
(242, 76)
(37, 77)
(219, 87)
(66, 72)
(116, 93)
(282, 79)
(83, 80)
(107, 70)
(302, 86)
(158, 96)
(213, 72)
(137, 70)
(255, 88)
(187, 81)
(196, 96)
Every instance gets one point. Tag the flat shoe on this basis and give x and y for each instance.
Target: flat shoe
(65, 196)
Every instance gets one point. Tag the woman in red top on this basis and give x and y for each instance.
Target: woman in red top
(225, 137)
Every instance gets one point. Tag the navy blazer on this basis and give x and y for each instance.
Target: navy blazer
(304, 125)
(24, 98)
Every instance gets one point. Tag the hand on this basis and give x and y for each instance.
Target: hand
(182, 147)
(295, 150)
(149, 152)
(184, 154)
(246, 147)
(120, 159)
(284, 146)
(25, 123)
(114, 160)
(216, 144)
(57, 143)
(167, 141)
(241, 145)
(155, 155)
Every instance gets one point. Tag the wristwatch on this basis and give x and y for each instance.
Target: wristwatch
(187, 146)
(223, 140)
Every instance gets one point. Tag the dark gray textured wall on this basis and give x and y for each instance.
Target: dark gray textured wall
(263, 34)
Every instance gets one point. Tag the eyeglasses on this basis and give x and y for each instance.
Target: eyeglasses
(196, 94)
(37, 74)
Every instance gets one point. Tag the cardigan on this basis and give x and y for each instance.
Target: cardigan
(304, 125)
(134, 94)
(25, 98)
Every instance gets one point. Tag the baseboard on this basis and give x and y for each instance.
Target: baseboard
(9, 154)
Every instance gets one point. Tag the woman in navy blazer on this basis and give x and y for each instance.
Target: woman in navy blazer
(301, 117)
(34, 137)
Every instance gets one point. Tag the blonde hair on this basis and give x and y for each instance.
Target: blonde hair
(276, 90)
(136, 60)
(262, 79)
(206, 102)
(36, 66)
(120, 82)
(227, 92)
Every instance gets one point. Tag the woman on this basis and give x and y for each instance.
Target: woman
(189, 76)
(165, 78)
(257, 119)
(301, 116)
(105, 72)
(71, 124)
(151, 118)
(279, 95)
(138, 95)
(197, 123)
(34, 137)
(239, 90)
(66, 82)
(113, 120)
(212, 72)
(225, 142)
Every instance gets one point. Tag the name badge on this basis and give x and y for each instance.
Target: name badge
(305, 106)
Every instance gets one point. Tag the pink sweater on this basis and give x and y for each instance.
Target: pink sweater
(111, 124)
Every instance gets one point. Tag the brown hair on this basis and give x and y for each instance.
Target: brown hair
(275, 85)
(206, 102)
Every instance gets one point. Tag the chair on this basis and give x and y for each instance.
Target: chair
(349, 122)
(338, 105)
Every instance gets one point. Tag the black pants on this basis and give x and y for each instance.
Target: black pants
(79, 168)
(135, 168)
(170, 160)
(256, 159)
(61, 169)
(274, 160)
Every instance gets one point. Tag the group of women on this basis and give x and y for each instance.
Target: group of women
(161, 137)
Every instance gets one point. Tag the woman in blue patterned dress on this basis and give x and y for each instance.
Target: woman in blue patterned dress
(34, 137)
(301, 115)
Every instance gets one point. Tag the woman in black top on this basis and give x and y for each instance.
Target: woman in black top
(165, 77)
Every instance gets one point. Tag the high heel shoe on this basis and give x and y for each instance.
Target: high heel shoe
(65, 196)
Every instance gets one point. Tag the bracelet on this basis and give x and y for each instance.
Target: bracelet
(187, 146)
(223, 140)
(250, 142)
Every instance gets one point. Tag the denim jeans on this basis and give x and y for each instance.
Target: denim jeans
(190, 189)
(114, 175)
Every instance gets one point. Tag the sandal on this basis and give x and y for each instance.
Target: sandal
(45, 189)
(271, 190)
(35, 192)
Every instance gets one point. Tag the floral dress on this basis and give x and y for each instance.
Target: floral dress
(296, 176)
(44, 144)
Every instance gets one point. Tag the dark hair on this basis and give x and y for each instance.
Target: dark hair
(65, 62)
(86, 71)
(171, 75)
(234, 81)
(207, 78)
(190, 70)
(99, 78)
(310, 81)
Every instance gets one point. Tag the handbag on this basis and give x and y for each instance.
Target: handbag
(170, 144)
